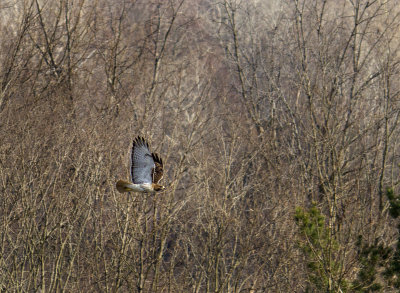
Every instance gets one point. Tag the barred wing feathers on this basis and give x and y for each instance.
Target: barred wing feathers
(142, 162)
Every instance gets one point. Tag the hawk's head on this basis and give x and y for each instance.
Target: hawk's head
(158, 187)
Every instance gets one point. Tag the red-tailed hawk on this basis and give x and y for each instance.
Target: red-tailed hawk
(146, 169)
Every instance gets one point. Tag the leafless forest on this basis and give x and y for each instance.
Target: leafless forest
(277, 121)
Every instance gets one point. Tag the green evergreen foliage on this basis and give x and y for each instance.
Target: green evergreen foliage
(392, 272)
(380, 264)
(320, 249)
(371, 259)
(394, 201)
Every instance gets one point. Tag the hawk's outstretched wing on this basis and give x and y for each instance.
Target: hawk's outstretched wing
(157, 172)
(142, 162)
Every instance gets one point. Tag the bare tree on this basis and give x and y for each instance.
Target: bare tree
(277, 122)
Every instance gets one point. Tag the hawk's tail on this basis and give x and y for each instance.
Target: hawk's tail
(122, 186)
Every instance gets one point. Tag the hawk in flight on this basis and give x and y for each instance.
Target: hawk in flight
(146, 169)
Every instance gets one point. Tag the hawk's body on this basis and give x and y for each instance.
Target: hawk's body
(146, 169)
